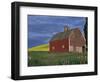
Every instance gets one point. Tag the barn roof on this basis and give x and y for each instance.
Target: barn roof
(62, 35)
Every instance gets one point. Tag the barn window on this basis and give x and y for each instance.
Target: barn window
(63, 46)
(53, 47)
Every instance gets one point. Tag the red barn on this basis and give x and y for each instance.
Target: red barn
(71, 40)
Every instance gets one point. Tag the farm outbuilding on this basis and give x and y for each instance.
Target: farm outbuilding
(71, 40)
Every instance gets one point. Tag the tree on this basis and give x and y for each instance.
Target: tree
(86, 30)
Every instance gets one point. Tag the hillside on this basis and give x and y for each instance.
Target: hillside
(43, 47)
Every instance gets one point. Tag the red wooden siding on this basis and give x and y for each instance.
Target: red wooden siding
(59, 45)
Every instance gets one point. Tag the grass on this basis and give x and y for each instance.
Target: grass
(45, 58)
(43, 47)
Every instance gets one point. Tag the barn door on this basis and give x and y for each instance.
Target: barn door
(74, 48)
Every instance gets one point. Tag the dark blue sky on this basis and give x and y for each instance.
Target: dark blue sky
(42, 28)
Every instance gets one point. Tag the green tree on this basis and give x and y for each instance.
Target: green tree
(86, 30)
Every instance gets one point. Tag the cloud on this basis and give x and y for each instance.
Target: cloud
(61, 20)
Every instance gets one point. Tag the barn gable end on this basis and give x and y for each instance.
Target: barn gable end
(77, 41)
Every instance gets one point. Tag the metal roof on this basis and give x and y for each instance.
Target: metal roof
(61, 35)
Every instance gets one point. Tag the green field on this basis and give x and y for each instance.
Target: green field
(45, 58)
